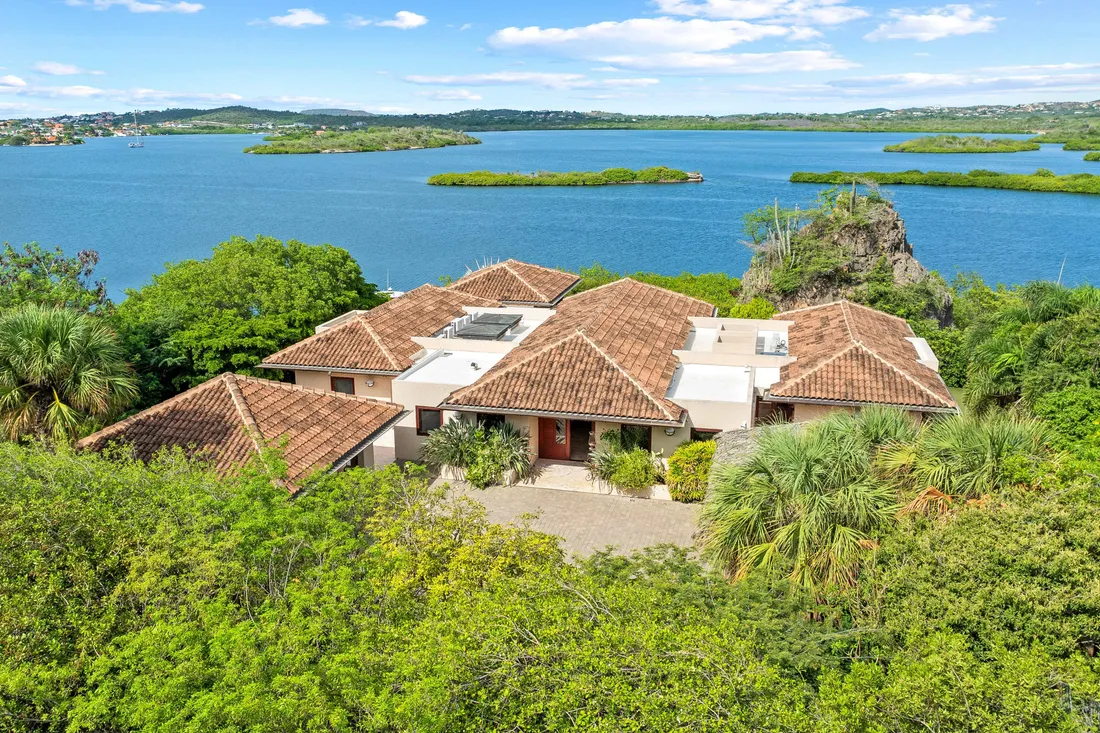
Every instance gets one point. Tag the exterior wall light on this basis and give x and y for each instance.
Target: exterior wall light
(670, 431)
(370, 382)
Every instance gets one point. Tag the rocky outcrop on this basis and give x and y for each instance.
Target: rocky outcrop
(872, 237)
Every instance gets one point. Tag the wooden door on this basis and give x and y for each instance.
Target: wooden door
(553, 439)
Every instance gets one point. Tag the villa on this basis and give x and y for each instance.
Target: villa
(505, 344)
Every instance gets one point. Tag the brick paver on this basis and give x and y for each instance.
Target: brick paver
(591, 522)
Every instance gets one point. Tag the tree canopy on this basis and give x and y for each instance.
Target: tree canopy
(34, 274)
(200, 318)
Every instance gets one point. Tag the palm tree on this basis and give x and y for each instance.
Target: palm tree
(60, 371)
(806, 499)
(962, 457)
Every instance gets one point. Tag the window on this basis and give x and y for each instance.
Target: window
(343, 385)
(428, 419)
(698, 435)
(488, 421)
(560, 434)
(635, 436)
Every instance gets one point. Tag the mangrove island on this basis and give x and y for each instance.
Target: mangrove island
(1041, 180)
(957, 144)
(608, 177)
(1093, 156)
(370, 140)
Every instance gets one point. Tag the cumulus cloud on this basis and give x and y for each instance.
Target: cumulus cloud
(140, 6)
(816, 12)
(558, 81)
(298, 18)
(11, 82)
(404, 20)
(54, 68)
(950, 20)
(598, 39)
(734, 63)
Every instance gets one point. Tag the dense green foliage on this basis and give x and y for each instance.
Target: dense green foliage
(716, 288)
(957, 144)
(200, 318)
(482, 456)
(688, 472)
(371, 140)
(157, 597)
(1092, 156)
(62, 373)
(48, 277)
(1040, 180)
(611, 176)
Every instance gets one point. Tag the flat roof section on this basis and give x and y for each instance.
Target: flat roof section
(711, 383)
(459, 368)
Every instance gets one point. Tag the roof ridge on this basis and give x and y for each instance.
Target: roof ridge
(628, 375)
(490, 376)
(381, 345)
(673, 292)
(902, 372)
(848, 321)
(523, 280)
(310, 390)
(239, 402)
(149, 411)
(839, 301)
(820, 365)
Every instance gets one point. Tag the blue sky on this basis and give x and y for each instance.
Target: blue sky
(643, 56)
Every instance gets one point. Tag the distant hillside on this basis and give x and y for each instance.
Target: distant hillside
(1025, 118)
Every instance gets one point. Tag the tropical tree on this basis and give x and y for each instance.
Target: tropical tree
(1042, 337)
(201, 318)
(60, 371)
(963, 457)
(806, 499)
(36, 275)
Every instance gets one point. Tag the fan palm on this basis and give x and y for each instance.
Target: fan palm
(964, 457)
(60, 371)
(806, 499)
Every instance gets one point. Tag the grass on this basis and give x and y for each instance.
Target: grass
(371, 140)
(611, 176)
(1041, 180)
(957, 144)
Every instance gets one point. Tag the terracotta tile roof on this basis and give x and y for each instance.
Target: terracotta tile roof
(379, 340)
(228, 418)
(517, 282)
(851, 353)
(605, 353)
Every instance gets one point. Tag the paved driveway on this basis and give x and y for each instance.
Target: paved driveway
(590, 522)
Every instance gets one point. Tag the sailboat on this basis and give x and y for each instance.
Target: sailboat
(137, 143)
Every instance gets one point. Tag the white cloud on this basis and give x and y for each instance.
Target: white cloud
(819, 12)
(950, 20)
(357, 21)
(298, 18)
(54, 68)
(466, 26)
(599, 39)
(140, 6)
(545, 80)
(404, 20)
(452, 95)
(734, 63)
(11, 82)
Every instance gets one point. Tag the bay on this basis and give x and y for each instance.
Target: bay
(179, 196)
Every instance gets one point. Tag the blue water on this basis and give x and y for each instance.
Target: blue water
(179, 196)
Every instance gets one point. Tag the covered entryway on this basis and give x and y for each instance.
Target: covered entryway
(554, 439)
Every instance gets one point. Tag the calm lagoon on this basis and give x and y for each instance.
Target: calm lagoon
(179, 196)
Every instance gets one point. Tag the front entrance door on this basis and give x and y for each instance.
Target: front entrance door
(553, 439)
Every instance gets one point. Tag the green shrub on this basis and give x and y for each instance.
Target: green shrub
(689, 470)
(486, 456)
(1041, 180)
(756, 308)
(453, 445)
(636, 469)
(659, 174)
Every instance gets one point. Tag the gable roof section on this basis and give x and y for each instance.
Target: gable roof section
(848, 352)
(379, 340)
(517, 282)
(228, 419)
(605, 353)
